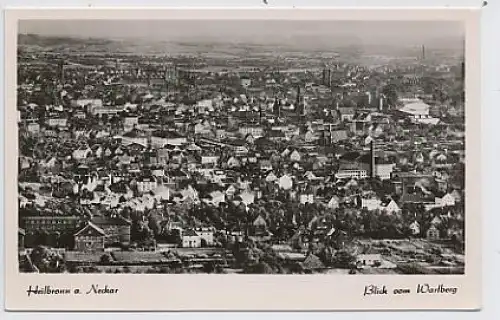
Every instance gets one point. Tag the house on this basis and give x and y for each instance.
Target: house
(107, 110)
(79, 115)
(448, 200)
(265, 165)
(310, 136)
(295, 156)
(392, 207)
(415, 228)
(368, 260)
(202, 128)
(371, 204)
(250, 139)
(217, 197)
(457, 196)
(333, 203)
(129, 122)
(285, 153)
(259, 226)
(240, 150)
(338, 135)
(312, 263)
(33, 128)
(209, 159)
(255, 131)
(230, 191)
(56, 122)
(432, 233)
(50, 224)
(375, 129)
(146, 184)
(81, 153)
(247, 197)
(190, 194)
(373, 260)
(271, 177)
(245, 82)
(191, 239)
(49, 163)
(206, 235)
(276, 135)
(90, 238)
(361, 122)
(346, 113)
(117, 229)
(162, 138)
(233, 163)
(351, 171)
(92, 103)
(306, 198)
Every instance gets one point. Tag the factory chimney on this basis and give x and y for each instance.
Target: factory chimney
(372, 160)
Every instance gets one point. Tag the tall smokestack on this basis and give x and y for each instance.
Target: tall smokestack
(372, 160)
(423, 52)
(298, 95)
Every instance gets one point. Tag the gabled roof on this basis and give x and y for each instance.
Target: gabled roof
(312, 262)
(91, 226)
(189, 233)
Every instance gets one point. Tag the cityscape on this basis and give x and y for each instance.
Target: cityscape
(290, 148)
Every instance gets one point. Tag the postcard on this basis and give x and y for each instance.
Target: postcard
(230, 159)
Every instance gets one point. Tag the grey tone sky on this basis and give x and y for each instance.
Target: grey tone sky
(321, 32)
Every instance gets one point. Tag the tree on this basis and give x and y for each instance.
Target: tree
(259, 268)
(154, 225)
(106, 259)
(209, 267)
(344, 259)
(47, 260)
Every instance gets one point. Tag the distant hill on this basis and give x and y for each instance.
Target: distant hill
(55, 41)
(352, 49)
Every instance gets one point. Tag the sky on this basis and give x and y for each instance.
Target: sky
(376, 32)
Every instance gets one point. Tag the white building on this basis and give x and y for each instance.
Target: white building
(351, 173)
(206, 235)
(384, 170)
(419, 112)
(255, 131)
(371, 204)
(147, 184)
(130, 122)
(88, 102)
(306, 198)
(56, 122)
(191, 239)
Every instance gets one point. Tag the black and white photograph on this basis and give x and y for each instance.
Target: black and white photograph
(241, 147)
(235, 147)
